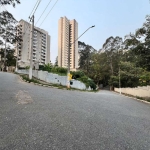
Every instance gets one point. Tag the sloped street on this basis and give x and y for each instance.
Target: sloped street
(33, 117)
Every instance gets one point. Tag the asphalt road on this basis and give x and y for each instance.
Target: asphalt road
(33, 117)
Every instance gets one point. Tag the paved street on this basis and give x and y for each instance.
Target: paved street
(33, 117)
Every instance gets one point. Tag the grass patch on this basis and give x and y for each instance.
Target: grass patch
(30, 80)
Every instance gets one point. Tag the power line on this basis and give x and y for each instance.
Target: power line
(49, 12)
(34, 7)
(44, 11)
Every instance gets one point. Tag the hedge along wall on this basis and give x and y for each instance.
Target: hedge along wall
(143, 91)
(55, 78)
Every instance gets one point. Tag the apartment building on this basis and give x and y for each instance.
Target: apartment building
(67, 34)
(41, 45)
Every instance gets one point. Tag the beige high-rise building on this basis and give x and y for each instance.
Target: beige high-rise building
(41, 45)
(67, 34)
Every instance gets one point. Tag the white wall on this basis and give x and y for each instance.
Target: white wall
(54, 78)
(143, 91)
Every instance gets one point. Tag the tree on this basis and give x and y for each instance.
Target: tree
(9, 2)
(139, 44)
(111, 47)
(130, 74)
(8, 28)
(86, 52)
(99, 69)
(47, 67)
(56, 61)
(10, 58)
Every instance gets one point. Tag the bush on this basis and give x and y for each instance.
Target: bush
(41, 67)
(88, 82)
(27, 67)
(47, 67)
(144, 79)
(77, 74)
(59, 70)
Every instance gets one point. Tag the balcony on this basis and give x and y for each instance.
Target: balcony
(43, 56)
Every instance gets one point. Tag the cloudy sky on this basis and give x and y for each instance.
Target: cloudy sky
(110, 17)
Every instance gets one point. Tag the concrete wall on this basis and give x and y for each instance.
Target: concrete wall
(54, 78)
(143, 91)
(23, 71)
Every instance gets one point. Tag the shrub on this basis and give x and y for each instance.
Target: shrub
(41, 67)
(88, 82)
(27, 67)
(77, 74)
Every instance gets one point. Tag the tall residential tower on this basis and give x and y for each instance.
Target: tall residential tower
(67, 34)
(41, 45)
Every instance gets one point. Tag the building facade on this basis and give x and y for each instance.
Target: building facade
(41, 45)
(67, 34)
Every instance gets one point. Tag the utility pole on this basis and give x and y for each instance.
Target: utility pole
(17, 58)
(31, 48)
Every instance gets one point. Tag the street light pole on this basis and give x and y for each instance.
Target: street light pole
(119, 82)
(4, 69)
(69, 45)
(5, 56)
(119, 74)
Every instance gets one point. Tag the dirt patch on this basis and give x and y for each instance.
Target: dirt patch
(23, 97)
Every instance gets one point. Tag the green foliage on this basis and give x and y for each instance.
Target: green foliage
(140, 49)
(59, 70)
(86, 52)
(8, 29)
(9, 2)
(56, 61)
(129, 74)
(88, 82)
(47, 67)
(41, 67)
(10, 58)
(27, 67)
(99, 69)
(114, 81)
(144, 79)
(53, 69)
(77, 74)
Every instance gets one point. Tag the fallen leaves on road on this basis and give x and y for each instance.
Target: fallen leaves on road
(23, 97)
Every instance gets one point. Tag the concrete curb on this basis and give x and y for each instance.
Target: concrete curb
(37, 83)
(134, 98)
(51, 86)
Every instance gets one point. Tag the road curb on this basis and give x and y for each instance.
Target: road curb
(134, 98)
(37, 83)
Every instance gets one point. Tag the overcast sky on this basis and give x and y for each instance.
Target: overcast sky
(110, 17)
